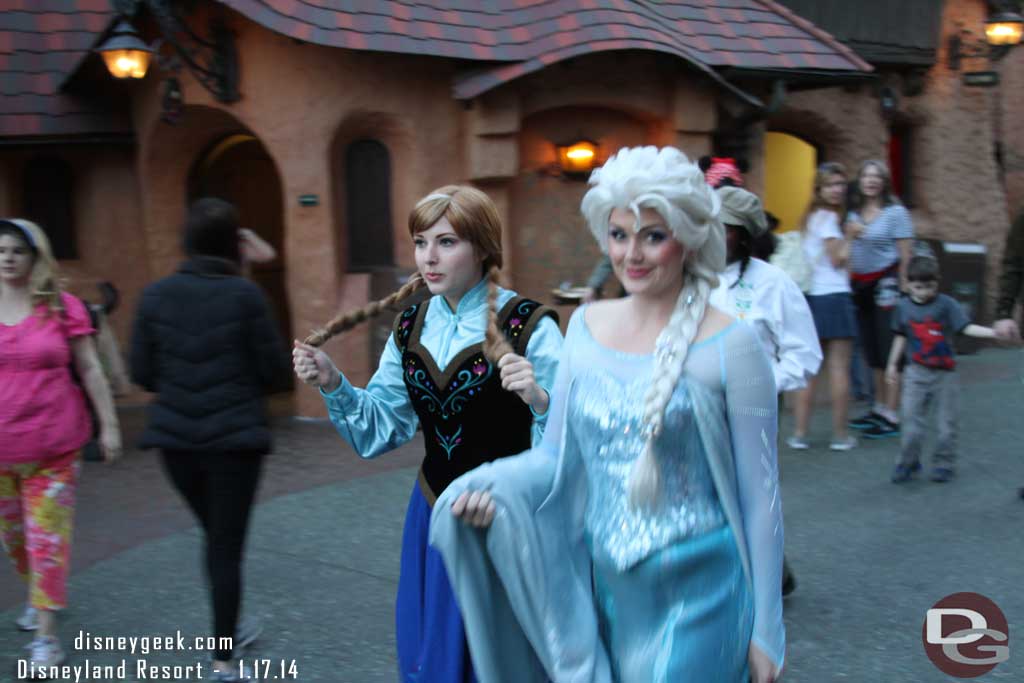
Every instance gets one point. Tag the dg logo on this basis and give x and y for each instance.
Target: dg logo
(966, 635)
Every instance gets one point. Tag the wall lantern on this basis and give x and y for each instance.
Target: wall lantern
(124, 52)
(1003, 30)
(213, 61)
(577, 158)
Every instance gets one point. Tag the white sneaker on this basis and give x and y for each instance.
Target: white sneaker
(849, 443)
(29, 619)
(797, 443)
(247, 632)
(45, 651)
(241, 673)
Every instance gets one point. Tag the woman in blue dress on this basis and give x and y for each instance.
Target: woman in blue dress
(641, 542)
(472, 366)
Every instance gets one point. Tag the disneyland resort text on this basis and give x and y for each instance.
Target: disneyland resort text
(87, 671)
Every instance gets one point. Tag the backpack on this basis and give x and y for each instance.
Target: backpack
(789, 257)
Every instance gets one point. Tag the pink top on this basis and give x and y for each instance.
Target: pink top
(42, 409)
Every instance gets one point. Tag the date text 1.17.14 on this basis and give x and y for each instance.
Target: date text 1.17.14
(270, 669)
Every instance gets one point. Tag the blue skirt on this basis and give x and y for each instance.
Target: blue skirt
(683, 615)
(428, 625)
(834, 315)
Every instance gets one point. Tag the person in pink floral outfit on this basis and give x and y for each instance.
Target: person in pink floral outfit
(44, 422)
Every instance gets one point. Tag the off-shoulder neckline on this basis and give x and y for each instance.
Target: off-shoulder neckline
(631, 355)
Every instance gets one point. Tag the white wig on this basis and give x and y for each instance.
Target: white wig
(665, 181)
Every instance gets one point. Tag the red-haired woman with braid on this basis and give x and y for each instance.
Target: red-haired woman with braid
(473, 366)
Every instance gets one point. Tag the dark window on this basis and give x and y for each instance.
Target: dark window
(49, 202)
(901, 163)
(368, 202)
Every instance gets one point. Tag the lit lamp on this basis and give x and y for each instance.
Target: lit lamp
(578, 158)
(212, 60)
(124, 53)
(1004, 28)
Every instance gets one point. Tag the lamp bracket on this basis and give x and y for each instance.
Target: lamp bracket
(126, 8)
(996, 6)
(212, 61)
(964, 45)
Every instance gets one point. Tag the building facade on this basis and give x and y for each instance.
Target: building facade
(347, 118)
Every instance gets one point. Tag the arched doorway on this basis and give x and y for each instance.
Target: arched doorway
(238, 169)
(790, 163)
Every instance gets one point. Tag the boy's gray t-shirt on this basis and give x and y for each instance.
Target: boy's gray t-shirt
(930, 329)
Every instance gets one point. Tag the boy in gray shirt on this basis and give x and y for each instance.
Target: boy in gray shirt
(925, 324)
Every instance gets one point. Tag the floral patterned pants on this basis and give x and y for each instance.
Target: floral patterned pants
(37, 502)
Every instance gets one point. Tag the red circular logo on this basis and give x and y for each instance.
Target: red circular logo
(966, 635)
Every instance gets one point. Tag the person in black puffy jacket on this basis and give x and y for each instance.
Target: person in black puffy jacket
(205, 342)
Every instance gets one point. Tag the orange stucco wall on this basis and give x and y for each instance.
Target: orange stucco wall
(108, 221)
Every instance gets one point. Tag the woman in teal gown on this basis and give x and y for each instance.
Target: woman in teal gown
(641, 542)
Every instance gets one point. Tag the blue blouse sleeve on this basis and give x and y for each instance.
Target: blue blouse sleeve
(524, 586)
(751, 407)
(543, 351)
(378, 418)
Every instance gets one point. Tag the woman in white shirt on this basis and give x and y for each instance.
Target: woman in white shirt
(764, 296)
(831, 302)
(767, 299)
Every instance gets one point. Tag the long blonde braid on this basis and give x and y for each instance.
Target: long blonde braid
(346, 321)
(670, 353)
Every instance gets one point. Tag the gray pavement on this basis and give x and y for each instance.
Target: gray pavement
(322, 565)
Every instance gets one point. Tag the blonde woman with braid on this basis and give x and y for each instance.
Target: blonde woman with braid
(641, 542)
(472, 366)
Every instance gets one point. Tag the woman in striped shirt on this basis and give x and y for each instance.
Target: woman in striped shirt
(881, 235)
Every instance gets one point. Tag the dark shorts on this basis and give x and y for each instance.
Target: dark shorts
(834, 316)
(874, 326)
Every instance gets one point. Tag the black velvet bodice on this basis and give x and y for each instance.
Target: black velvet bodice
(466, 416)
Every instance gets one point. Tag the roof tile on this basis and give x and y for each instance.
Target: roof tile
(42, 41)
(54, 21)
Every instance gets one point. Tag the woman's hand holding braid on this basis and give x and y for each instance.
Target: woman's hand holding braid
(517, 376)
(314, 367)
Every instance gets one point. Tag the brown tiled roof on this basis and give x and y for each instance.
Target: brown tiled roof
(41, 42)
(527, 35)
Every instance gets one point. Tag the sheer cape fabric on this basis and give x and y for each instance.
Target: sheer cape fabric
(524, 584)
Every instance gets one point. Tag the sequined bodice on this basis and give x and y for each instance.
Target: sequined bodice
(605, 420)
